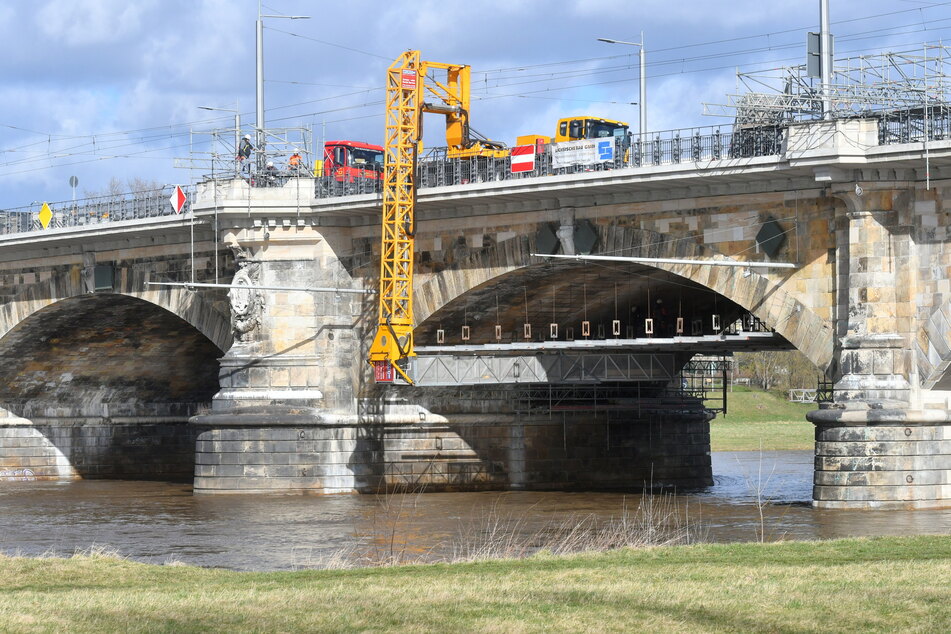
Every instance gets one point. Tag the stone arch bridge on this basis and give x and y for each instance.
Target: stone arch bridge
(266, 389)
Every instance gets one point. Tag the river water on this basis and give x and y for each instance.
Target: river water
(163, 522)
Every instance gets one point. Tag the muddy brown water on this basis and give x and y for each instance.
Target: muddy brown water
(163, 522)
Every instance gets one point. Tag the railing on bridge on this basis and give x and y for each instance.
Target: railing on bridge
(94, 211)
(690, 145)
(672, 147)
(915, 125)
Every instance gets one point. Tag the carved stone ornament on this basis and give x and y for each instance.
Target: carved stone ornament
(246, 301)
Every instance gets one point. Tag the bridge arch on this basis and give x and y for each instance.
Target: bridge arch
(466, 286)
(199, 309)
(102, 385)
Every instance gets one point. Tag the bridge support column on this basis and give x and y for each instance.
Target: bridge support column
(882, 459)
(510, 438)
(284, 420)
(876, 445)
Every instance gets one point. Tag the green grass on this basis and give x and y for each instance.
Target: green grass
(734, 435)
(756, 406)
(761, 420)
(878, 585)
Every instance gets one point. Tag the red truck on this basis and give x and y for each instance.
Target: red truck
(351, 163)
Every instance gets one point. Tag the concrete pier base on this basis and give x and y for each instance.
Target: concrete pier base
(882, 459)
(96, 449)
(407, 448)
(284, 457)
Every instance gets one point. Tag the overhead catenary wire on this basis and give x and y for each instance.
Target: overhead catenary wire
(739, 38)
(653, 63)
(93, 149)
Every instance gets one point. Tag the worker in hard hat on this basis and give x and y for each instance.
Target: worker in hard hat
(294, 162)
(244, 150)
(270, 174)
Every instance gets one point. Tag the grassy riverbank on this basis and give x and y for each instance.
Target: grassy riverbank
(761, 420)
(849, 585)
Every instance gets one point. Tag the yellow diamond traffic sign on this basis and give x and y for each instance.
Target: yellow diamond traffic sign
(46, 214)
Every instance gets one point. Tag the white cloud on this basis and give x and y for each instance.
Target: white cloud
(88, 22)
(93, 67)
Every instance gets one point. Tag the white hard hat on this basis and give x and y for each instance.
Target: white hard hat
(270, 163)
(296, 151)
(247, 136)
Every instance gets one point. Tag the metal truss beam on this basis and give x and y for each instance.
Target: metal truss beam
(701, 344)
(446, 370)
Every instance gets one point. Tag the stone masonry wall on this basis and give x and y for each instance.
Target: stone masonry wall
(566, 451)
(726, 224)
(103, 450)
(883, 466)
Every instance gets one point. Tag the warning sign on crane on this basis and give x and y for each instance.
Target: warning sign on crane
(523, 158)
(178, 199)
(383, 372)
(408, 79)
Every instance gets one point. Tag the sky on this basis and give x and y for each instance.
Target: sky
(112, 89)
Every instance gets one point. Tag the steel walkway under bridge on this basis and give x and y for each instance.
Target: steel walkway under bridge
(653, 359)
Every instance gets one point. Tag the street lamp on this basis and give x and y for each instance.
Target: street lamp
(259, 93)
(643, 78)
(237, 126)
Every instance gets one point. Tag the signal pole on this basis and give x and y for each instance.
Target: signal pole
(825, 57)
(261, 140)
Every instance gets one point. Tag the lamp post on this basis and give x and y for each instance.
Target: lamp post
(643, 78)
(237, 127)
(259, 92)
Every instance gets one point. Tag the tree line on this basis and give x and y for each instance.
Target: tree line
(777, 370)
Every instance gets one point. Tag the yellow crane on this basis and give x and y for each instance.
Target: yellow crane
(409, 82)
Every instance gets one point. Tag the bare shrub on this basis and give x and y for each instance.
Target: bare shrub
(657, 520)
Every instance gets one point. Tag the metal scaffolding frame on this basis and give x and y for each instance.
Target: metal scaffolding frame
(699, 386)
(876, 85)
(217, 159)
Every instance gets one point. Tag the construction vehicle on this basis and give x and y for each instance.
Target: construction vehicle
(580, 127)
(586, 127)
(409, 83)
(614, 133)
(348, 161)
(452, 93)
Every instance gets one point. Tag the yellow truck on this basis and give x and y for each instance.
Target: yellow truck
(580, 127)
(607, 143)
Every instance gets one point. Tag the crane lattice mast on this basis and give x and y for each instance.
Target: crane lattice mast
(394, 337)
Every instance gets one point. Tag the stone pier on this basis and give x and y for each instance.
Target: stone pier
(885, 440)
